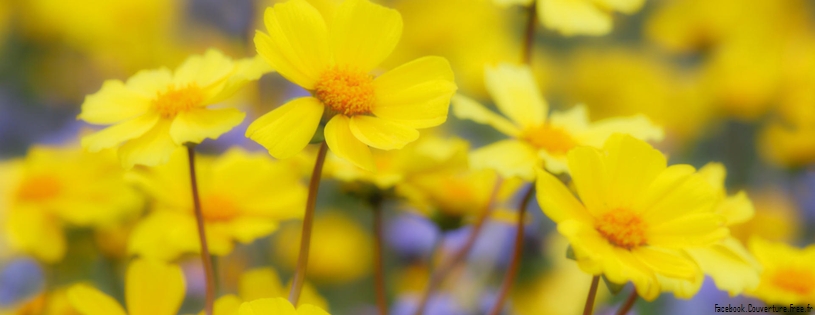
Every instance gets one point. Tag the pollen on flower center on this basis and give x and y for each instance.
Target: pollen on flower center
(795, 280)
(217, 208)
(39, 188)
(622, 228)
(175, 100)
(346, 90)
(552, 139)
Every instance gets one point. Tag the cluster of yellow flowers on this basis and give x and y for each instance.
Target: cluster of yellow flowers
(145, 193)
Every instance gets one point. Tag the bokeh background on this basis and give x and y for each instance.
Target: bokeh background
(730, 81)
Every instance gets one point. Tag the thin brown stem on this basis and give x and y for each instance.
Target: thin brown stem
(379, 272)
(587, 310)
(629, 303)
(308, 221)
(509, 279)
(438, 276)
(209, 274)
(529, 34)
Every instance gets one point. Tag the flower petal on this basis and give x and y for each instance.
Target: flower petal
(150, 149)
(467, 108)
(363, 34)
(575, 120)
(149, 83)
(695, 229)
(632, 166)
(557, 202)
(36, 232)
(90, 301)
(674, 193)
(574, 17)
(516, 94)
(342, 142)
(197, 124)
(286, 130)
(670, 264)
(509, 157)
(308, 309)
(381, 133)
(204, 70)
(639, 127)
(277, 306)
(246, 70)
(417, 93)
(260, 283)
(297, 44)
(248, 229)
(590, 178)
(732, 268)
(153, 288)
(116, 134)
(113, 103)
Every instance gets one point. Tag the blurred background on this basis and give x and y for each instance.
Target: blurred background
(731, 81)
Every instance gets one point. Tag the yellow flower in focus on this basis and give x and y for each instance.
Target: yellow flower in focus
(156, 111)
(55, 187)
(635, 216)
(579, 17)
(243, 197)
(788, 276)
(538, 138)
(151, 288)
(263, 283)
(341, 249)
(278, 306)
(334, 61)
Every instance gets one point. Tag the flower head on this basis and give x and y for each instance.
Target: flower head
(156, 111)
(788, 275)
(635, 216)
(334, 60)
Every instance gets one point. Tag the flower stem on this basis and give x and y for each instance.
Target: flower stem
(529, 34)
(209, 274)
(441, 273)
(509, 279)
(629, 302)
(595, 281)
(308, 221)
(379, 272)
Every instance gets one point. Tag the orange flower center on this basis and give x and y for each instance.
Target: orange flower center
(39, 188)
(797, 280)
(552, 139)
(217, 208)
(176, 100)
(346, 91)
(622, 228)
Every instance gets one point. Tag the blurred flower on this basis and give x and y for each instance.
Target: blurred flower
(789, 140)
(336, 68)
(151, 288)
(53, 302)
(776, 218)
(279, 306)
(156, 111)
(579, 17)
(263, 283)
(534, 138)
(19, 279)
(788, 276)
(341, 250)
(243, 196)
(56, 187)
(635, 216)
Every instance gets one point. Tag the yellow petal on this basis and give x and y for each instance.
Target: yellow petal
(736, 209)
(639, 127)
(197, 124)
(516, 94)
(632, 166)
(363, 34)
(557, 202)
(467, 108)
(732, 268)
(575, 120)
(715, 174)
(260, 283)
(695, 229)
(87, 300)
(226, 305)
(150, 238)
(590, 178)
(308, 309)
(277, 306)
(297, 44)
(36, 232)
(150, 82)
(574, 17)
(342, 142)
(417, 93)
(203, 70)
(116, 134)
(286, 130)
(153, 288)
(673, 195)
(113, 103)
(381, 133)
(670, 264)
(248, 229)
(509, 157)
(150, 149)
(246, 70)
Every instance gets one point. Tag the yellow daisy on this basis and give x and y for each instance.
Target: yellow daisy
(538, 139)
(156, 111)
(333, 59)
(278, 306)
(635, 215)
(789, 274)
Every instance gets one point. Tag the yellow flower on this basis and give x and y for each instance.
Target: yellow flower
(278, 306)
(243, 196)
(777, 218)
(54, 187)
(334, 61)
(151, 288)
(535, 136)
(579, 17)
(727, 262)
(789, 141)
(263, 283)
(635, 215)
(53, 302)
(156, 111)
(788, 276)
